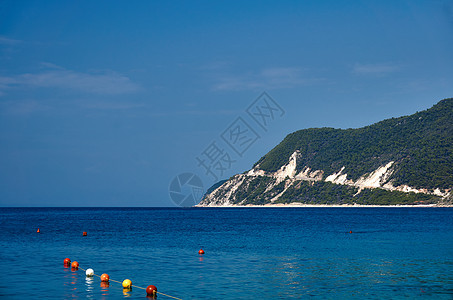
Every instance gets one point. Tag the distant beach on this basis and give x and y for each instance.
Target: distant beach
(326, 205)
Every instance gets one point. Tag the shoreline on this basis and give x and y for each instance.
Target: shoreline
(292, 205)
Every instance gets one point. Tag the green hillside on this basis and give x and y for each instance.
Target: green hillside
(420, 144)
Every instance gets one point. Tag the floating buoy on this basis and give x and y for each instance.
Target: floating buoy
(89, 272)
(201, 252)
(75, 265)
(350, 231)
(84, 233)
(38, 231)
(151, 290)
(67, 262)
(105, 278)
(127, 283)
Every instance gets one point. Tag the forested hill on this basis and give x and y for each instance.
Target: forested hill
(405, 160)
(420, 144)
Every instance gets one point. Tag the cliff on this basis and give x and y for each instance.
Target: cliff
(406, 160)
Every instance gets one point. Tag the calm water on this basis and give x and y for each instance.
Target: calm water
(267, 253)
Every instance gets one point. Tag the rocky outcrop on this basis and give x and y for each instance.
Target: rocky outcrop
(234, 191)
(404, 160)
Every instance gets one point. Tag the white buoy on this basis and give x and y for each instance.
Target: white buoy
(89, 272)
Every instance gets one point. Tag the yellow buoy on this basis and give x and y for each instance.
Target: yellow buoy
(127, 284)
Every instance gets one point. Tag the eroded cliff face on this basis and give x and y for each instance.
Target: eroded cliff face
(260, 187)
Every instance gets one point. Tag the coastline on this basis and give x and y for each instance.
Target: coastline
(323, 206)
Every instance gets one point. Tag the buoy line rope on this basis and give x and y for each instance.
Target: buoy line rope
(135, 286)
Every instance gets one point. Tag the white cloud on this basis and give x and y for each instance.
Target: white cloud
(195, 113)
(7, 41)
(108, 105)
(270, 78)
(107, 83)
(6, 82)
(22, 107)
(377, 69)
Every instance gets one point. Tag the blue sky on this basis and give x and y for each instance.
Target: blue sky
(103, 103)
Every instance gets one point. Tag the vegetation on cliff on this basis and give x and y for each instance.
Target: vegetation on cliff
(421, 145)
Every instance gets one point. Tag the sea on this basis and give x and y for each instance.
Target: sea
(250, 253)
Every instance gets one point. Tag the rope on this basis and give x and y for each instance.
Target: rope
(139, 287)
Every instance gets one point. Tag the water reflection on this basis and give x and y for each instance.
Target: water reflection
(104, 288)
(89, 283)
(126, 292)
(70, 283)
(74, 278)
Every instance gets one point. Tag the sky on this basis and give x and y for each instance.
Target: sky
(109, 103)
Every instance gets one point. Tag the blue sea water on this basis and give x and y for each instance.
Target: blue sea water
(250, 253)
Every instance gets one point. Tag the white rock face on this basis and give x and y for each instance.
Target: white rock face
(217, 198)
(339, 178)
(439, 193)
(379, 178)
(308, 175)
(288, 170)
(256, 172)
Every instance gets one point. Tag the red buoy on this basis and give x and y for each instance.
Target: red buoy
(67, 262)
(151, 290)
(350, 231)
(201, 252)
(75, 265)
(84, 233)
(38, 231)
(105, 278)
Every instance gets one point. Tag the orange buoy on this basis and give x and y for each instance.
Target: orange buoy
(105, 277)
(201, 252)
(84, 233)
(151, 290)
(350, 231)
(67, 261)
(38, 231)
(75, 265)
